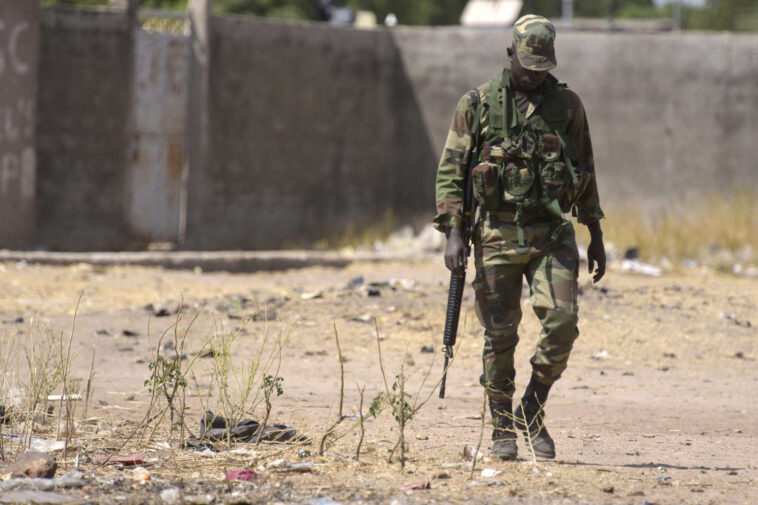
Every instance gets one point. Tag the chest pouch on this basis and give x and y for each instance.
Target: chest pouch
(518, 181)
(525, 145)
(555, 179)
(487, 186)
(502, 150)
(550, 147)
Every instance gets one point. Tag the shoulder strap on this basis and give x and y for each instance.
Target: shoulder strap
(476, 129)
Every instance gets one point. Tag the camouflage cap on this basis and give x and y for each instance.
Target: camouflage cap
(533, 37)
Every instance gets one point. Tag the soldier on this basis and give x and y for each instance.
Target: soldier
(534, 164)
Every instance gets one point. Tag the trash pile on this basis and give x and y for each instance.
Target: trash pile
(405, 240)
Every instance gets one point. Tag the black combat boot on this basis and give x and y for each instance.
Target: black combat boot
(530, 419)
(503, 434)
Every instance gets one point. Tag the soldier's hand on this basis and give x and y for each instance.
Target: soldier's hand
(596, 252)
(454, 251)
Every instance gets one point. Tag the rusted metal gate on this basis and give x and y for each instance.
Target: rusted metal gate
(159, 164)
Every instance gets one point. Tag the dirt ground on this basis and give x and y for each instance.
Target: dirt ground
(658, 405)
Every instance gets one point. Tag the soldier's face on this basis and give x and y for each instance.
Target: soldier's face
(522, 78)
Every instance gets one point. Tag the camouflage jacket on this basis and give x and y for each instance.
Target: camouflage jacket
(453, 165)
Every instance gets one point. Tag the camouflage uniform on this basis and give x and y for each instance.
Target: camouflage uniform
(546, 254)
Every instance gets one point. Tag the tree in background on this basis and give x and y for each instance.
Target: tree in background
(416, 12)
(596, 8)
(81, 3)
(733, 15)
(279, 9)
(163, 4)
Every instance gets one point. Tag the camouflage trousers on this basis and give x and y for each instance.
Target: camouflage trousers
(551, 267)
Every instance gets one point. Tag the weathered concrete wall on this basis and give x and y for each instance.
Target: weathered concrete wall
(18, 82)
(295, 131)
(84, 128)
(311, 128)
(672, 115)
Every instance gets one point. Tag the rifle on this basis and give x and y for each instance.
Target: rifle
(458, 280)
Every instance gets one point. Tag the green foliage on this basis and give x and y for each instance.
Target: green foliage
(402, 410)
(416, 12)
(79, 3)
(279, 9)
(639, 11)
(165, 376)
(177, 5)
(595, 8)
(734, 15)
(271, 385)
(547, 8)
(377, 405)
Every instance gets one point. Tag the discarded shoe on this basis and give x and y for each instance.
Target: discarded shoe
(215, 428)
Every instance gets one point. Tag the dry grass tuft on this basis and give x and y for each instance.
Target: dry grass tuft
(359, 234)
(718, 225)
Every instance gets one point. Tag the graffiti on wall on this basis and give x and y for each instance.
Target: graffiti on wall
(17, 158)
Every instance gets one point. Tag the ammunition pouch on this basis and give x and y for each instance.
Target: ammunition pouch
(487, 186)
(555, 179)
(518, 181)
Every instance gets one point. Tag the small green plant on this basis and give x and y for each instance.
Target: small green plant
(236, 388)
(404, 406)
(396, 398)
(165, 376)
(402, 410)
(271, 384)
(168, 381)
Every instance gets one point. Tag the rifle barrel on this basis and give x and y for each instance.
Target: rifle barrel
(454, 300)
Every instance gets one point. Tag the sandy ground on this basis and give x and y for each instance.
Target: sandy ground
(658, 404)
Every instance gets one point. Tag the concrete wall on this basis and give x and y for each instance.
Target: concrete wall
(295, 131)
(311, 128)
(672, 115)
(84, 128)
(341, 125)
(18, 82)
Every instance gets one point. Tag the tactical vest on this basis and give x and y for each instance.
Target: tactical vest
(529, 163)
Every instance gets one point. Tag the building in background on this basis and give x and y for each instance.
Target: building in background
(491, 12)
